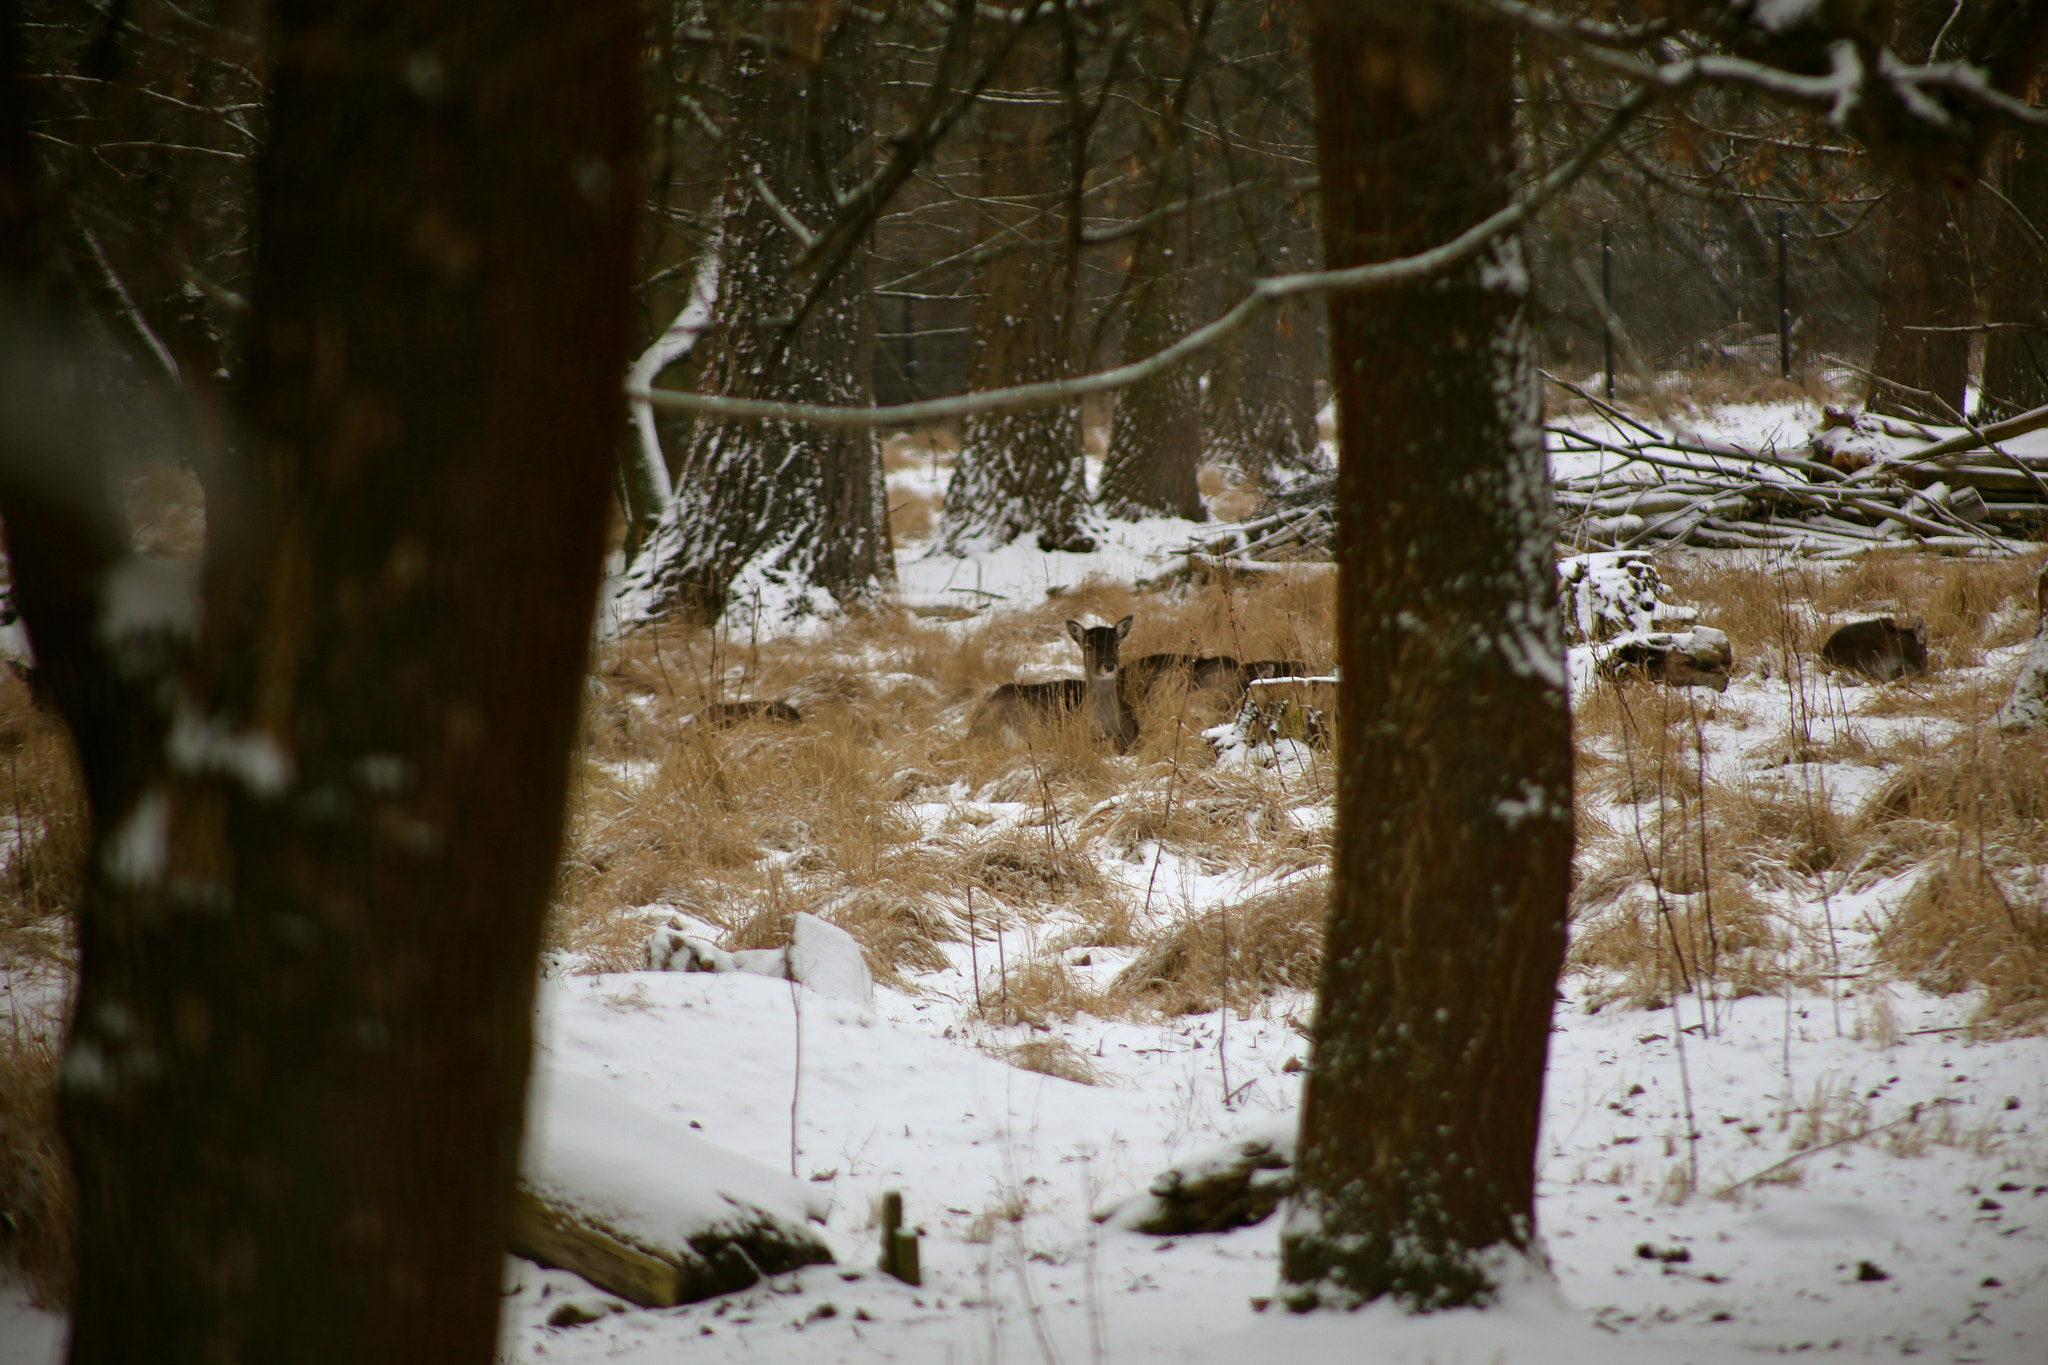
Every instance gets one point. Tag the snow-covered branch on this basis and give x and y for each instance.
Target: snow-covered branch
(1264, 294)
(1821, 58)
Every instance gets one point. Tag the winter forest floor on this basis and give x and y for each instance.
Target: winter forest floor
(1806, 931)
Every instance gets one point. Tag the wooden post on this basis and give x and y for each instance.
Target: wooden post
(899, 1244)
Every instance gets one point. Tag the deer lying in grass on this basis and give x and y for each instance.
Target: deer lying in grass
(1014, 709)
(725, 714)
(1216, 679)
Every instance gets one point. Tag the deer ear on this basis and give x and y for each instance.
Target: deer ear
(1074, 629)
(1123, 628)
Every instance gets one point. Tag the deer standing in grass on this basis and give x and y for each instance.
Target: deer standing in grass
(1015, 708)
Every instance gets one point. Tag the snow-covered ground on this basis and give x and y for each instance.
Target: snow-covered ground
(1001, 1167)
(1842, 1171)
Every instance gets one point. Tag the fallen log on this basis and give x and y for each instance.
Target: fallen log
(644, 1208)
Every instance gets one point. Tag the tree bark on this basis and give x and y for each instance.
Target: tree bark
(1260, 407)
(1416, 1177)
(295, 1080)
(1155, 435)
(783, 515)
(1927, 284)
(1260, 404)
(1929, 276)
(1022, 472)
(155, 136)
(2016, 354)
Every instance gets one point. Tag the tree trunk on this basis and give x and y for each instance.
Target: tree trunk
(1020, 472)
(295, 1081)
(2016, 354)
(1155, 435)
(1929, 276)
(1447, 917)
(785, 517)
(1927, 284)
(1261, 402)
(1260, 405)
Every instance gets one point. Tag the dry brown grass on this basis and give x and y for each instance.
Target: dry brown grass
(1773, 833)
(1964, 820)
(1708, 385)
(919, 448)
(1975, 811)
(1644, 947)
(1968, 605)
(738, 828)
(912, 514)
(44, 829)
(1239, 952)
(1035, 989)
(1050, 1056)
(36, 1205)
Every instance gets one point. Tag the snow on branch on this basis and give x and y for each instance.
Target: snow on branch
(1777, 50)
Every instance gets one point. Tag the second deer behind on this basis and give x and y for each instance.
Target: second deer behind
(1014, 709)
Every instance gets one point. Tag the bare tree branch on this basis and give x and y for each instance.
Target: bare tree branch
(1264, 294)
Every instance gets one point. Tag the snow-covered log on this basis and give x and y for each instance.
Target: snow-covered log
(1232, 1185)
(639, 1205)
(1700, 657)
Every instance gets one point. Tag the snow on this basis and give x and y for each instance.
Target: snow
(1002, 1168)
(1778, 16)
(821, 957)
(1021, 572)
(2027, 708)
(208, 744)
(646, 1175)
(675, 342)
(895, 1103)
(826, 958)
(143, 595)
(139, 849)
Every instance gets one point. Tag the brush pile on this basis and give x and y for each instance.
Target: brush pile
(1863, 482)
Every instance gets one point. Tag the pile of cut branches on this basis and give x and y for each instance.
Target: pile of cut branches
(1863, 482)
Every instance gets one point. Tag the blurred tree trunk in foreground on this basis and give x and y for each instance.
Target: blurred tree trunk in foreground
(328, 805)
(1417, 1172)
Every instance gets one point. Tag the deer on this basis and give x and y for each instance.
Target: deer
(1216, 679)
(725, 714)
(1097, 696)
